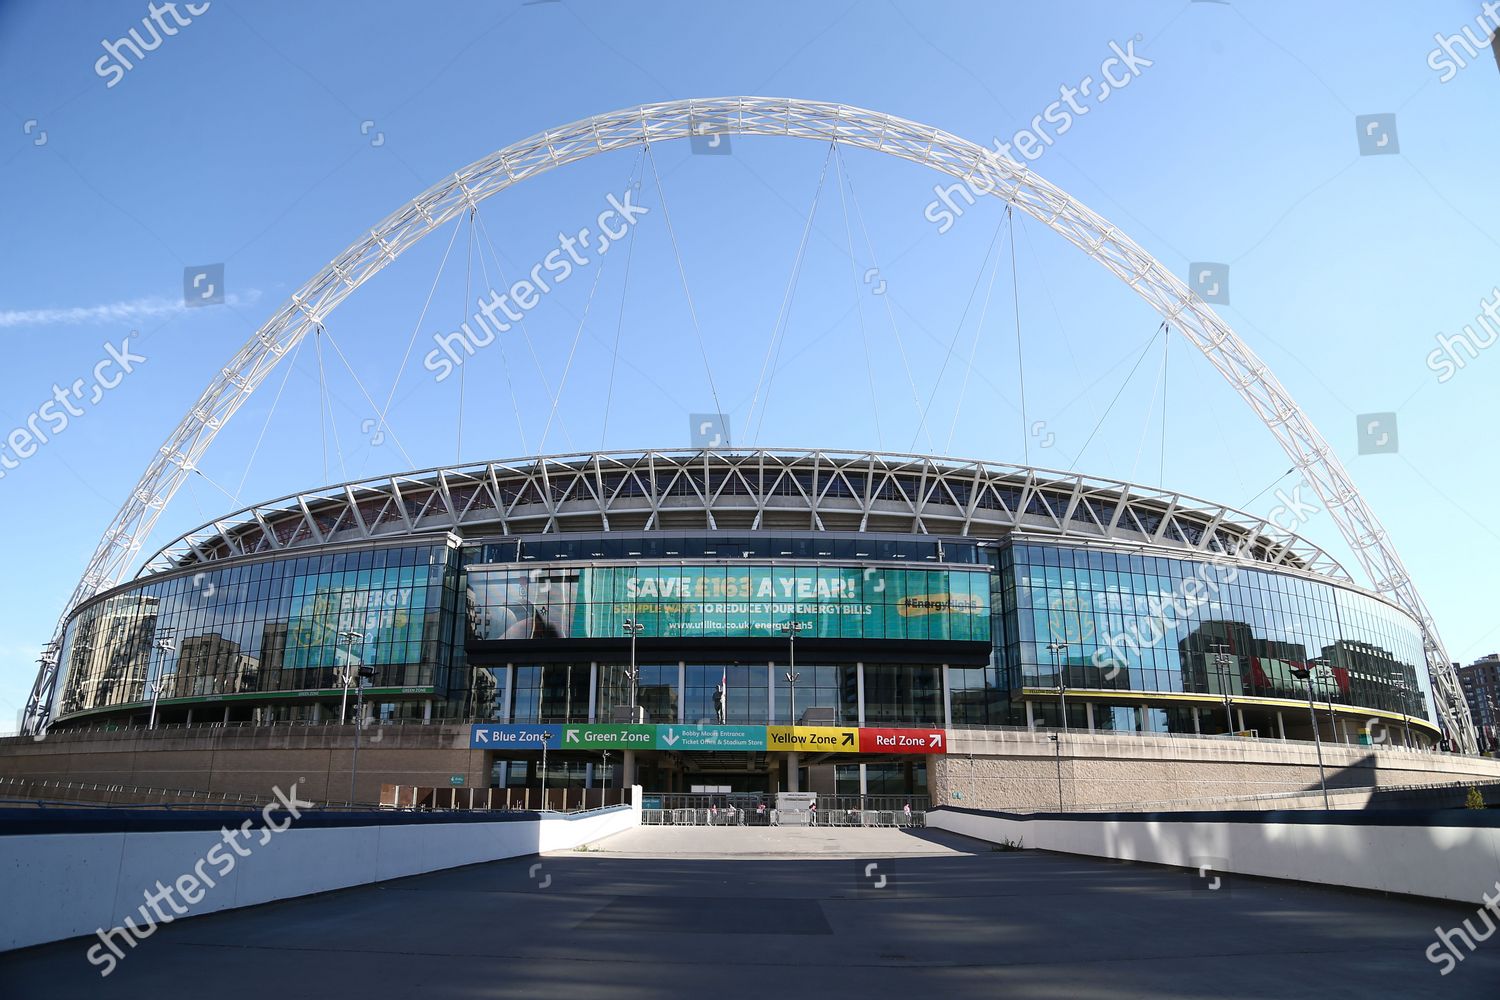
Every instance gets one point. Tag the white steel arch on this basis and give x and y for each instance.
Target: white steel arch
(984, 170)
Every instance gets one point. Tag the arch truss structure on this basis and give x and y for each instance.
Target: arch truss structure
(982, 169)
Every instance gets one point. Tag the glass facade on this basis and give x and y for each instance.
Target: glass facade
(271, 626)
(1137, 632)
(1131, 622)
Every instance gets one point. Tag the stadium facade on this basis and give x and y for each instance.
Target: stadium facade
(912, 593)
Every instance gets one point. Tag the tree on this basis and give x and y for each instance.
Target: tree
(1475, 799)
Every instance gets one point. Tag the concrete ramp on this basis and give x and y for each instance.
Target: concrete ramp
(811, 843)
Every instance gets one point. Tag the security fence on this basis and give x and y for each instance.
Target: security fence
(759, 809)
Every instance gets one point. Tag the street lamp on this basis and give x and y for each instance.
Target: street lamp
(1325, 667)
(164, 643)
(1057, 755)
(1221, 662)
(1305, 674)
(791, 629)
(546, 738)
(346, 675)
(362, 677)
(634, 628)
(1057, 649)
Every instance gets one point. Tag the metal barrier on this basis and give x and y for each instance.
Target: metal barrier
(515, 799)
(758, 809)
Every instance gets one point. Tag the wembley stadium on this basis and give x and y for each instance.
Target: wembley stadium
(739, 618)
(748, 589)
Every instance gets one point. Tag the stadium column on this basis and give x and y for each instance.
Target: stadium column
(628, 778)
(791, 773)
(771, 693)
(859, 689)
(593, 689)
(1088, 707)
(1280, 726)
(947, 705)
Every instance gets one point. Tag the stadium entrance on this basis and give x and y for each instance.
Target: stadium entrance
(672, 759)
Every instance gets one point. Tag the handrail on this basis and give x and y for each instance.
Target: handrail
(419, 724)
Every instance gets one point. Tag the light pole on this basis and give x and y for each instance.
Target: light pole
(1057, 755)
(164, 643)
(363, 675)
(1057, 649)
(546, 738)
(634, 628)
(1305, 674)
(1324, 667)
(791, 629)
(1221, 662)
(346, 675)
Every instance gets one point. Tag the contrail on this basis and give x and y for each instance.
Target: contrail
(110, 312)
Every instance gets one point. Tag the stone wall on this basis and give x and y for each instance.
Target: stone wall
(1019, 771)
(251, 760)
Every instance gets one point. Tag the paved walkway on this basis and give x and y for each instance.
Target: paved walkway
(781, 842)
(945, 918)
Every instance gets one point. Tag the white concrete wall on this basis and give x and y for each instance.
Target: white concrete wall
(57, 886)
(1456, 863)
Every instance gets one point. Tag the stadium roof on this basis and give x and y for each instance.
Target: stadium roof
(744, 489)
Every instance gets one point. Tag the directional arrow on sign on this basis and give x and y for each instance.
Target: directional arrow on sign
(482, 735)
(570, 736)
(935, 740)
(848, 739)
(670, 739)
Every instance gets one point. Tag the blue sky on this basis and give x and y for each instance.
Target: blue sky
(267, 137)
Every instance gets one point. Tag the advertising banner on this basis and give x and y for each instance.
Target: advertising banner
(727, 601)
